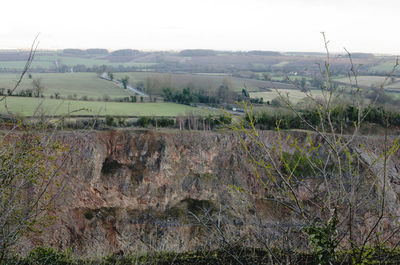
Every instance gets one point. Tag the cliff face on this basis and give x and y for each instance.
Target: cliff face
(134, 190)
(142, 190)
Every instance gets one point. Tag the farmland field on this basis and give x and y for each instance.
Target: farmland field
(27, 107)
(201, 81)
(386, 67)
(51, 61)
(294, 95)
(89, 85)
(68, 84)
(377, 81)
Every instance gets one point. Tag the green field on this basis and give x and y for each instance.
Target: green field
(368, 81)
(206, 82)
(89, 85)
(68, 84)
(280, 64)
(294, 95)
(28, 106)
(51, 62)
(386, 67)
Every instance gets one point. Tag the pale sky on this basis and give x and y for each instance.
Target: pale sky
(277, 25)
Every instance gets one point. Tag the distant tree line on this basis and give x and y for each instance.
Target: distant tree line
(342, 117)
(187, 95)
(190, 121)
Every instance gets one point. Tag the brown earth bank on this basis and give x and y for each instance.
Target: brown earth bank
(140, 190)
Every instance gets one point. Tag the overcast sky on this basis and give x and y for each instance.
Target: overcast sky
(283, 25)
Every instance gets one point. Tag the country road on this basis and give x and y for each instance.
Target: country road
(134, 90)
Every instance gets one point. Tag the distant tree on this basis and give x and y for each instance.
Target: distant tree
(97, 51)
(378, 95)
(110, 76)
(224, 91)
(267, 77)
(197, 52)
(152, 85)
(245, 93)
(110, 120)
(30, 76)
(277, 102)
(63, 68)
(303, 84)
(264, 53)
(125, 81)
(316, 82)
(167, 94)
(186, 96)
(75, 52)
(38, 87)
(140, 85)
(125, 52)
(100, 69)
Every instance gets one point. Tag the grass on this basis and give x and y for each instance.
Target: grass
(294, 95)
(27, 107)
(280, 64)
(369, 80)
(201, 81)
(205, 82)
(81, 84)
(386, 67)
(377, 81)
(49, 61)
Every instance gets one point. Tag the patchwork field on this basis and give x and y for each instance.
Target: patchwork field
(68, 84)
(29, 106)
(369, 81)
(208, 82)
(294, 95)
(52, 61)
(385, 67)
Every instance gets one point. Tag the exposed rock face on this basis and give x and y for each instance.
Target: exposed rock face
(133, 190)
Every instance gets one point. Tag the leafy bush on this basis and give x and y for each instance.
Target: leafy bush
(165, 122)
(144, 121)
(110, 120)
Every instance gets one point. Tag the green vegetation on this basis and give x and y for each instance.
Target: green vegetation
(49, 256)
(207, 82)
(294, 95)
(341, 117)
(161, 122)
(54, 61)
(298, 164)
(383, 67)
(372, 81)
(28, 106)
(76, 85)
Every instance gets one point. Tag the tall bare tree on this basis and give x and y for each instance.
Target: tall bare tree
(328, 181)
(38, 87)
